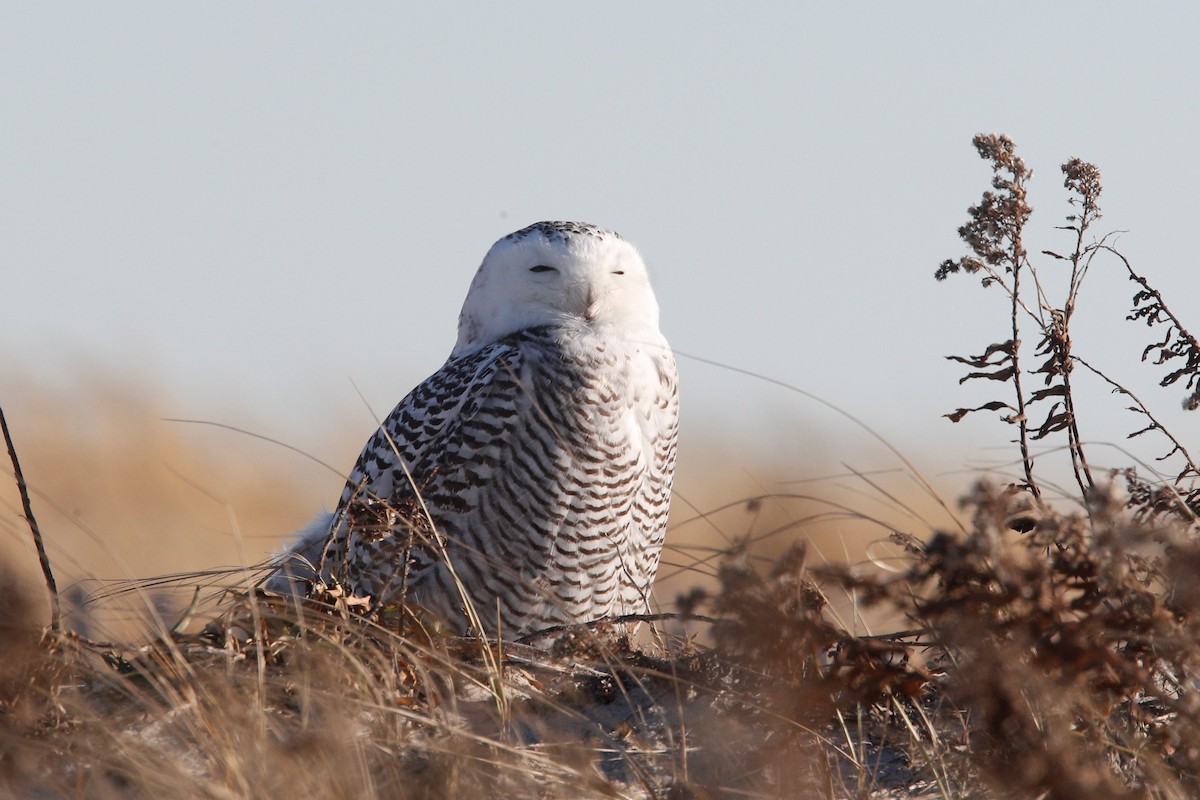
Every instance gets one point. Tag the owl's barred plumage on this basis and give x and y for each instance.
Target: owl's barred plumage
(534, 468)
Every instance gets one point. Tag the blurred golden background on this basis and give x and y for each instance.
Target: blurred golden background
(123, 492)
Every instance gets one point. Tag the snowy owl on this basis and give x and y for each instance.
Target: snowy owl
(528, 479)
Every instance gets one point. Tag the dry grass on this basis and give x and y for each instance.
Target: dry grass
(1033, 650)
(1051, 663)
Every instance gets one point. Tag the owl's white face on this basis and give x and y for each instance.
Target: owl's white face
(558, 273)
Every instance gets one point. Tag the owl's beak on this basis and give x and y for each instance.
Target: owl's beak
(587, 303)
(591, 306)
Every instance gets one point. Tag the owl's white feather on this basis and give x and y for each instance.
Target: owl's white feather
(530, 476)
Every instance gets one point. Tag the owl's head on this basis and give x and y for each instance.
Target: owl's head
(558, 273)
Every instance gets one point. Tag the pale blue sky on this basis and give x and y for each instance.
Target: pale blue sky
(253, 208)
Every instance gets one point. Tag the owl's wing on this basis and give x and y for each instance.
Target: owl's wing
(427, 459)
(419, 448)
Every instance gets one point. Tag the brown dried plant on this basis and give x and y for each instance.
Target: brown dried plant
(995, 233)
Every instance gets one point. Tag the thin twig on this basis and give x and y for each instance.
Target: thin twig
(1158, 298)
(1192, 468)
(1022, 418)
(43, 559)
(1081, 262)
(621, 620)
